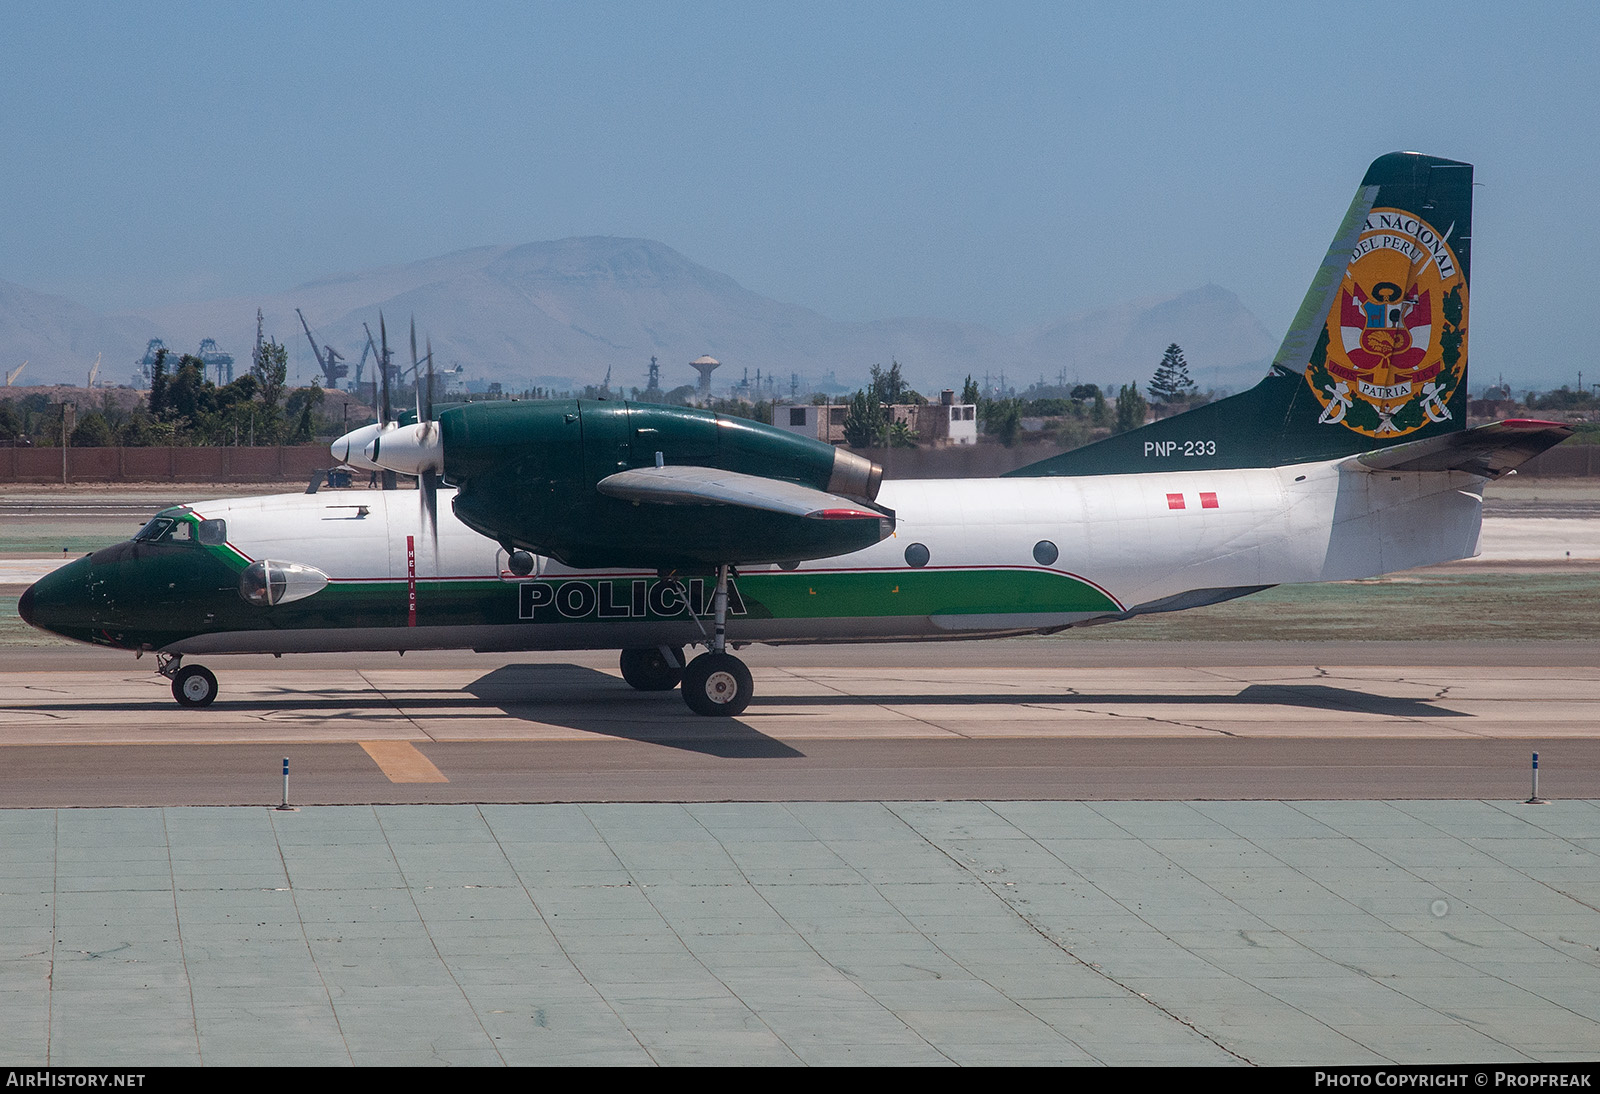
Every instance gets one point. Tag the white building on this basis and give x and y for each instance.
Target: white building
(937, 424)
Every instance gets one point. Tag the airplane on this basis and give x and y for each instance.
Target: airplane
(647, 529)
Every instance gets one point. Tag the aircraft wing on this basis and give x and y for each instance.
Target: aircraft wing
(680, 485)
(1489, 450)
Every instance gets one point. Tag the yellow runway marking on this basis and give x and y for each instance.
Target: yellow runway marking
(401, 761)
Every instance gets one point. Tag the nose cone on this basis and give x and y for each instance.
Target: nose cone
(59, 602)
(352, 447)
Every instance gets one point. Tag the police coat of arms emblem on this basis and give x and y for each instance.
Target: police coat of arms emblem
(1393, 350)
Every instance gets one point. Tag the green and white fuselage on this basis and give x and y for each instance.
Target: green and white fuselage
(998, 556)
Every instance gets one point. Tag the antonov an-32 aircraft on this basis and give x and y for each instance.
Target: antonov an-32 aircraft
(648, 529)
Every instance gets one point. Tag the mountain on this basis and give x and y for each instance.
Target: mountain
(561, 313)
(59, 338)
(1224, 344)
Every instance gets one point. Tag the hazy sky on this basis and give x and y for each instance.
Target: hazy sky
(1002, 163)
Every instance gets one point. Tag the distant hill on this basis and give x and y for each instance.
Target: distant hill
(561, 313)
(1224, 344)
(59, 339)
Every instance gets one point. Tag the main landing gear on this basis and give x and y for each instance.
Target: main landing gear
(716, 683)
(655, 668)
(192, 686)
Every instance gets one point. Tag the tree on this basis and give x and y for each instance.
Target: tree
(300, 406)
(1171, 382)
(189, 393)
(864, 422)
(158, 384)
(1002, 419)
(1131, 408)
(144, 430)
(1100, 413)
(271, 371)
(890, 387)
(93, 432)
(969, 391)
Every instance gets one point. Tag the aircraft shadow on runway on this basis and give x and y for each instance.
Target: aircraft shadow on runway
(590, 701)
(595, 702)
(1312, 696)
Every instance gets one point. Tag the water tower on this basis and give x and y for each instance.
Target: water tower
(705, 366)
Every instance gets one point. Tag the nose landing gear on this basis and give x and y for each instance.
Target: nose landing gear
(192, 686)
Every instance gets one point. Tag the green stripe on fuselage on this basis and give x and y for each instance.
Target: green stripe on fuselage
(919, 593)
(767, 595)
(559, 599)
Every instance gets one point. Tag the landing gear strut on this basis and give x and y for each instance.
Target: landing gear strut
(194, 686)
(717, 683)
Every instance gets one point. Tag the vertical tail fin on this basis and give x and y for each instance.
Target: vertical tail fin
(1376, 354)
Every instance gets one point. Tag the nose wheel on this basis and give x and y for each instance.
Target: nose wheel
(194, 686)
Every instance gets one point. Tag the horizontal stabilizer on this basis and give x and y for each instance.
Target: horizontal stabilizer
(679, 485)
(1489, 450)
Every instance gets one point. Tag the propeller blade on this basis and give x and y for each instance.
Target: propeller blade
(374, 351)
(416, 376)
(427, 407)
(385, 412)
(428, 477)
(428, 487)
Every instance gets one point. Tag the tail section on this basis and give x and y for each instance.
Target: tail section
(1376, 355)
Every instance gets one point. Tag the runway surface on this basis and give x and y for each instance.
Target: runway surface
(1019, 719)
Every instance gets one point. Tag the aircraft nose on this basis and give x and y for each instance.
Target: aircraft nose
(58, 602)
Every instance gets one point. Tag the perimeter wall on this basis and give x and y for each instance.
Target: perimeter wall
(298, 463)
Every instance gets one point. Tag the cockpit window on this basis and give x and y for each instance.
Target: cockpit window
(153, 531)
(213, 533)
(173, 530)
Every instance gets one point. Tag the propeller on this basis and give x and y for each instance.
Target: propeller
(415, 449)
(428, 438)
(353, 446)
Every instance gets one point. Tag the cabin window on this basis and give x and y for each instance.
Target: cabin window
(1045, 553)
(917, 555)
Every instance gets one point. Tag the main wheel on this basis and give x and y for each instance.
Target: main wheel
(649, 670)
(194, 686)
(717, 684)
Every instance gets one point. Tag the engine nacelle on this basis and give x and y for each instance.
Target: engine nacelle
(527, 475)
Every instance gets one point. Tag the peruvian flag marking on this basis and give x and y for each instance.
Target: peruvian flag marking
(1174, 501)
(1208, 500)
